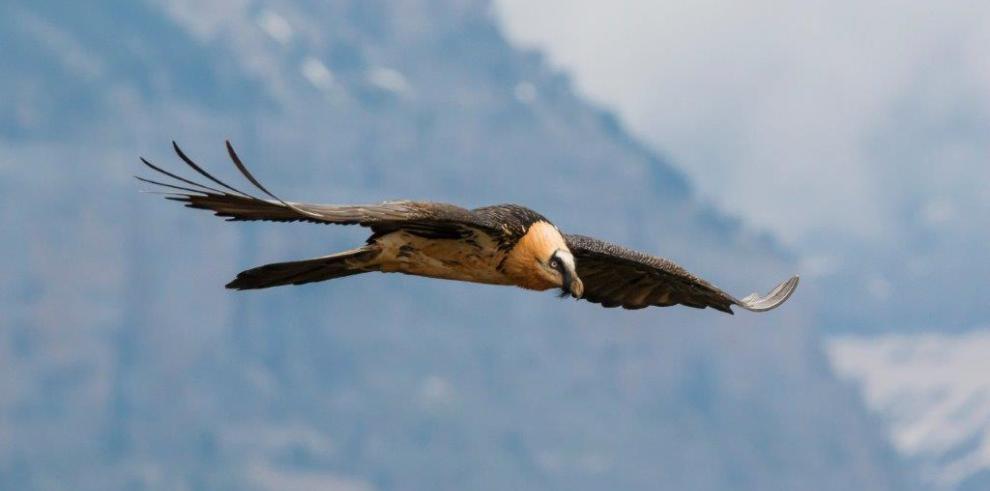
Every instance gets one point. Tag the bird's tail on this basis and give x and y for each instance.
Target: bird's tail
(347, 263)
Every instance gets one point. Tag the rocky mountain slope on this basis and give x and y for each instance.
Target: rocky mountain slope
(125, 365)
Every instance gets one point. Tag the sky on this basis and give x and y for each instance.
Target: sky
(840, 118)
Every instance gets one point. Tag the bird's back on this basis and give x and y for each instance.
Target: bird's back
(515, 218)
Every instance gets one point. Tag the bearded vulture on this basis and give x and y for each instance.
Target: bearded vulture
(500, 245)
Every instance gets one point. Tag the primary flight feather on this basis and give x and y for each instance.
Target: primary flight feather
(501, 245)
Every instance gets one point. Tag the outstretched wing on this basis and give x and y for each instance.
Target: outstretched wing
(427, 218)
(615, 276)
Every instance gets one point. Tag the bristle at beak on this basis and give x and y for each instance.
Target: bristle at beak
(577, 288)
(572, 286)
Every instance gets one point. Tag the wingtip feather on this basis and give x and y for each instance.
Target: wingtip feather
(250, 177)
(772, 300)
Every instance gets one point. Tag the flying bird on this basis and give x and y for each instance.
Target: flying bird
(500, 245)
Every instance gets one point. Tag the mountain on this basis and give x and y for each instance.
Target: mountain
(933, 391)
(125, 365)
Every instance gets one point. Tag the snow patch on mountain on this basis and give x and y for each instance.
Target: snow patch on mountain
(934, 392)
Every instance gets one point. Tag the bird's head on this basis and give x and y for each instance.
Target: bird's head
(541, 260)
(562, 268)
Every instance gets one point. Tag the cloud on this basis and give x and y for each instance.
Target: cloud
(317, 73)
(788, 114)
(275, 26)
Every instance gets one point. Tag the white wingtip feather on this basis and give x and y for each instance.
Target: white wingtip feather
(777, 296)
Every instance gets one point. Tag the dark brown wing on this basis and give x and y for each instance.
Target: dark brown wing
(427, 218)
(615, 276)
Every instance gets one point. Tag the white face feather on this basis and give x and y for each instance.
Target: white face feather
(563, 267)
(567, 258)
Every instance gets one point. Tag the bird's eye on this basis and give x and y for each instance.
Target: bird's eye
(555, 263)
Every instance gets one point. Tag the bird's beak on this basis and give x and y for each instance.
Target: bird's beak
(572, 284)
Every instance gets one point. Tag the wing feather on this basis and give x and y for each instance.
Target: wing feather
(615, 276)
(197, 168)
(226, 201)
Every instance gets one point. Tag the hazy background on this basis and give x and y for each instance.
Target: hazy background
(859, 134)
(843, 141)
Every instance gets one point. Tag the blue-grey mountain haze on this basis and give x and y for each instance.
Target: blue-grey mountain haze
(124, 364)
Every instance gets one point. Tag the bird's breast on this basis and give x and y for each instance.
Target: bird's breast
(474, 258)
